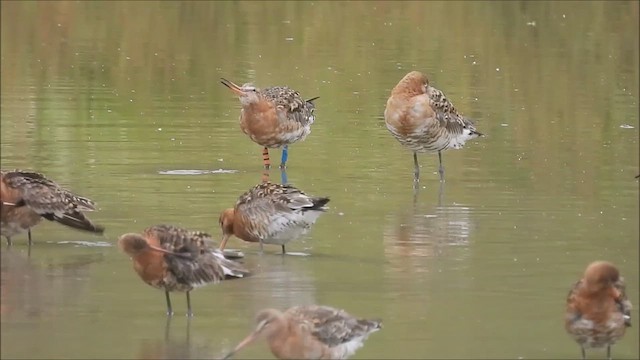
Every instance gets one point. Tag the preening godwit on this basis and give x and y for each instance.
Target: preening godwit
(598, 311)
(421, 118)
(310, 332)
(271, 213)
(27, 197)
(273, 117)
(175, 259)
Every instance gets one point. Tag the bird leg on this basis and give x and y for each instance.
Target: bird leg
(29, 233)
(285, 156)
(440, 168)
(9, 242)
(283, 250)
(584, 356)
(609, 352)
(283, 176)
(416, 168)
(189, 312)
(265, 176)
(169, 310)
(261, 247)
(265, 158)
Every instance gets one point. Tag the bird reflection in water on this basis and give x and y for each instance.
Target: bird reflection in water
(34, 288)
(284, 179)
(174, 346)
(282, 282)
(422, 231)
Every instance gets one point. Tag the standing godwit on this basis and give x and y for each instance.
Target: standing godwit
(27, 197)
(273, 117)
(421, 118)
(175, 259)
(310, 332)
(598, 311)
(271, 213)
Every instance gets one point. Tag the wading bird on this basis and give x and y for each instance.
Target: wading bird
(175, 259)
(273, 117)
(271, 213)
(310, 332)
(422, 119)
(598, 311)
(27, 197)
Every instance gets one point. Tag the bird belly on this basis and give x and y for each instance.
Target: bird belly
(422, 139)
(347, 349)
(17, 220)
(267, 129)
(589, 334)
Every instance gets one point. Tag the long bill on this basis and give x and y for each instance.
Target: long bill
(248, 340)
(233, 87)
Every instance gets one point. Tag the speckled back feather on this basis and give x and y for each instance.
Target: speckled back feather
(292, 103)
(285, 194)
(50, 200)
(173, 237)
(198, 247)
(447, 114)
(332, 326)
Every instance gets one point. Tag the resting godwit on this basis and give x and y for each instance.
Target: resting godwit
(598, 311)
(310, 332)
(271, 213)
(273, 117)
(27, 197)
(175, 259)
(421, 118)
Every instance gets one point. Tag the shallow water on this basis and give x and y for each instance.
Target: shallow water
(121, 102)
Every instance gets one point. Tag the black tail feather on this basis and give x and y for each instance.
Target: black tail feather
(76, 220)
(319, 203)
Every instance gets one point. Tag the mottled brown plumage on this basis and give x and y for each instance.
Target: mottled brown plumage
(27, 197)
(271, 213)
(310, 332)
(422, 119)
(598, 311)
(175, 259)
(273, 117)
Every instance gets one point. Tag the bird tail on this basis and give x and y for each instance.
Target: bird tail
(232, 269)
(76, 220)
(319, 203)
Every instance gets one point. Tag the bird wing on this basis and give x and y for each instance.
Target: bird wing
(44, 195)
(293, 106)
(51, 201)
(572, 313)
(189, 266)
(623, 303)
(265, 218)
(173, 237)
(447, 114)
(333, 326)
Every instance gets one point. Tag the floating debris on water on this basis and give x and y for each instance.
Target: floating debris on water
(232, 254)
(86, 243)
(297, 254)
(197, 172)
(626, 126)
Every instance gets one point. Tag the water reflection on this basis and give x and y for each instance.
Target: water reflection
(424, 231)
(266, 176)
(36, 290)
(176, 344)
(279, 282)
